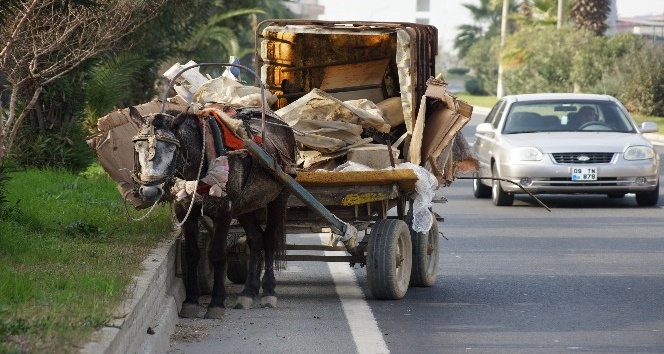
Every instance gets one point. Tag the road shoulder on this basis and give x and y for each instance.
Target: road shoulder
(145, 321)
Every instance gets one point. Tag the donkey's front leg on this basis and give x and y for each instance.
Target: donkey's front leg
(217, 257)
(255, 241)
(192, 255)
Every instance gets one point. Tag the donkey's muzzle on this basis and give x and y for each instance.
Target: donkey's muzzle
(150, 193)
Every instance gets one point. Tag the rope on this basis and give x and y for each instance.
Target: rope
(193, 196)
(145, 215)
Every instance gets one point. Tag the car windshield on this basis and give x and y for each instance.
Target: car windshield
(555, 116)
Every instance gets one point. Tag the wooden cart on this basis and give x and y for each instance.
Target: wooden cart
(373, 61)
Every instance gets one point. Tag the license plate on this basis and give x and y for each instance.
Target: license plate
(584, 173)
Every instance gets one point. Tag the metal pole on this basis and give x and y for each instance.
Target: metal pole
(561, 13)
(503, 34)
(338, 226)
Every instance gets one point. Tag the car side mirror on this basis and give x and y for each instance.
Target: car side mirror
(484, 129)
(648, 127)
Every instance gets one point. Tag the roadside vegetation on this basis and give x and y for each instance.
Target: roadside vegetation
(68, 253)
(477, 100)
(577, 57)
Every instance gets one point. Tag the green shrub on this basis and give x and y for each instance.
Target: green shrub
(65, 149)
(483, 59)
(6, 208)
(638, 81)
(541, 65)
(458, 71)
(595, 61)
(474, 87)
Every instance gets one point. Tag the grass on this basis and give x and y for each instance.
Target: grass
(481, 101)
(68, 254)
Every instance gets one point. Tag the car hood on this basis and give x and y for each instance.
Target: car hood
(551, 142)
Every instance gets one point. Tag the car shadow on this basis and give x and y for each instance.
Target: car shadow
(572, 201)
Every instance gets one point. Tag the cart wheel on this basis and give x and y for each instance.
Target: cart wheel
(237, 270)
(425, 255)
(389, 259)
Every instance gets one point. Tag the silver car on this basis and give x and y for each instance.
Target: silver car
(560, 143)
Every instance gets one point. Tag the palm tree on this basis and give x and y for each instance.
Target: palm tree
(486, 24)
(591, 15)
(108, 85)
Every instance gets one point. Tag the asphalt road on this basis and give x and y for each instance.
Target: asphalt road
(586, 277)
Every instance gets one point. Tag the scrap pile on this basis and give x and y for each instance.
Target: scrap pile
(332, 135)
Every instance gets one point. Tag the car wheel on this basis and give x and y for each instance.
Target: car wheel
(498, 195)
(648, 198)
(616, 195)
(480, 190)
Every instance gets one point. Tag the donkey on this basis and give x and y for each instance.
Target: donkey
(169, 148)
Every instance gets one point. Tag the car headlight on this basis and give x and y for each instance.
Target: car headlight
(526, 154)
(639, 153)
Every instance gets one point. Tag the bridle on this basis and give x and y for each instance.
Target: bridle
(149, 134)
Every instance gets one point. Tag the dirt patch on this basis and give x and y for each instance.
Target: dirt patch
(190, 332)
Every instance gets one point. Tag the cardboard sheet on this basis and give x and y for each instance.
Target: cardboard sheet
(114, 147)
(435, 131)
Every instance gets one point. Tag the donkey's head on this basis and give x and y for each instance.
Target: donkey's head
(155, 153)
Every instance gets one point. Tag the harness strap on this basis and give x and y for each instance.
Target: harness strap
(231, 138)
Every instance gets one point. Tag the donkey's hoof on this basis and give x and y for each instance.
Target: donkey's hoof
(269, 301)
(243, 302)
(216, 313)
(190, 310)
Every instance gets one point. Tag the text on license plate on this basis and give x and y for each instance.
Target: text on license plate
(584, 173)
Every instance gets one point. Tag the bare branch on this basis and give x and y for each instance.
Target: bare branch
(46, 39)
(26, 14)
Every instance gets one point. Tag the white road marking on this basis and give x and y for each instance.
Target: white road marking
(363, 325)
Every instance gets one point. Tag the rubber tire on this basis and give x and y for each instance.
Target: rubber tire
(388, 277)
(480, 190)
(648, 198)
(498, 195)
(426, 255)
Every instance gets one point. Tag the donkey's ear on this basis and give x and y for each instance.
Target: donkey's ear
(136, 116)
(179, 119)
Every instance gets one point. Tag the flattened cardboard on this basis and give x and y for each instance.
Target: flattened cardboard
(435, 131)
(114, 147)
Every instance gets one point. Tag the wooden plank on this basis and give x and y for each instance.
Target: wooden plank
(349, 195)
(405, 177)
(356, 74)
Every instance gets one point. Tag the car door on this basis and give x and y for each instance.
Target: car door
(484, 142)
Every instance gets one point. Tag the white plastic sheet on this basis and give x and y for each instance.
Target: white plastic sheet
(425, 190)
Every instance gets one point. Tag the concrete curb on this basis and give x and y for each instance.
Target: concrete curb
(145, 321)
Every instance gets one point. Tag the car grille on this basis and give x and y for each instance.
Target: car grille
(593, 157)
